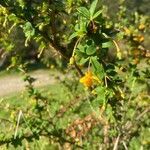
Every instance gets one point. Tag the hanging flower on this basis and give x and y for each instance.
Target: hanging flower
(87, 80)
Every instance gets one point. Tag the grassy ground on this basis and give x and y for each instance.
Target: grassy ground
(59, 94)
(11, 105)
(20, 99)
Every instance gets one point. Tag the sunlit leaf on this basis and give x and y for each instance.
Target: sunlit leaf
(97, 14)
(84, 12)
(93, 7)
(97, 68)
(90, 50)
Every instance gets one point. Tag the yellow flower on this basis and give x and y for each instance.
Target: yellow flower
(139, 38)
(141, 27)
(87, 80)
(127, 31)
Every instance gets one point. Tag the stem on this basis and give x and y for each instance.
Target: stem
(125, 146)
(18, 121)
(74, 61)
(78, 69)
(116, 143)
(142, 114)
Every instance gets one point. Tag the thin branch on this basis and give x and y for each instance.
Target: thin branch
(74, 61)
(142, 114)
(125, 146)
(116, 143)
(78, 69)
(17, 126)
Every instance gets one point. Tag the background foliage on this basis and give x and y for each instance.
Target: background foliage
(109, 51)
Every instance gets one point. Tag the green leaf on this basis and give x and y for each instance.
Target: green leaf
(93, 8)
(28, 30)
(80, 54)
(110, 113)
(90, 50)
(101, 97)
(107, 44)
(84, 12)
(21, 3)
(75, 34)
(97, 68)
(134, 143)
(83, 60)
(97, 14)
(81, 48)
(80, 33)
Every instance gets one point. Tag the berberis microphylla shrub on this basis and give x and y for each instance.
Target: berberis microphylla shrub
(106, 85)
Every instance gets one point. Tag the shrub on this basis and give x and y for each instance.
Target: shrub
(110, 110)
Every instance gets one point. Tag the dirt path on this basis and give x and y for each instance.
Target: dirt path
(14, 83)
